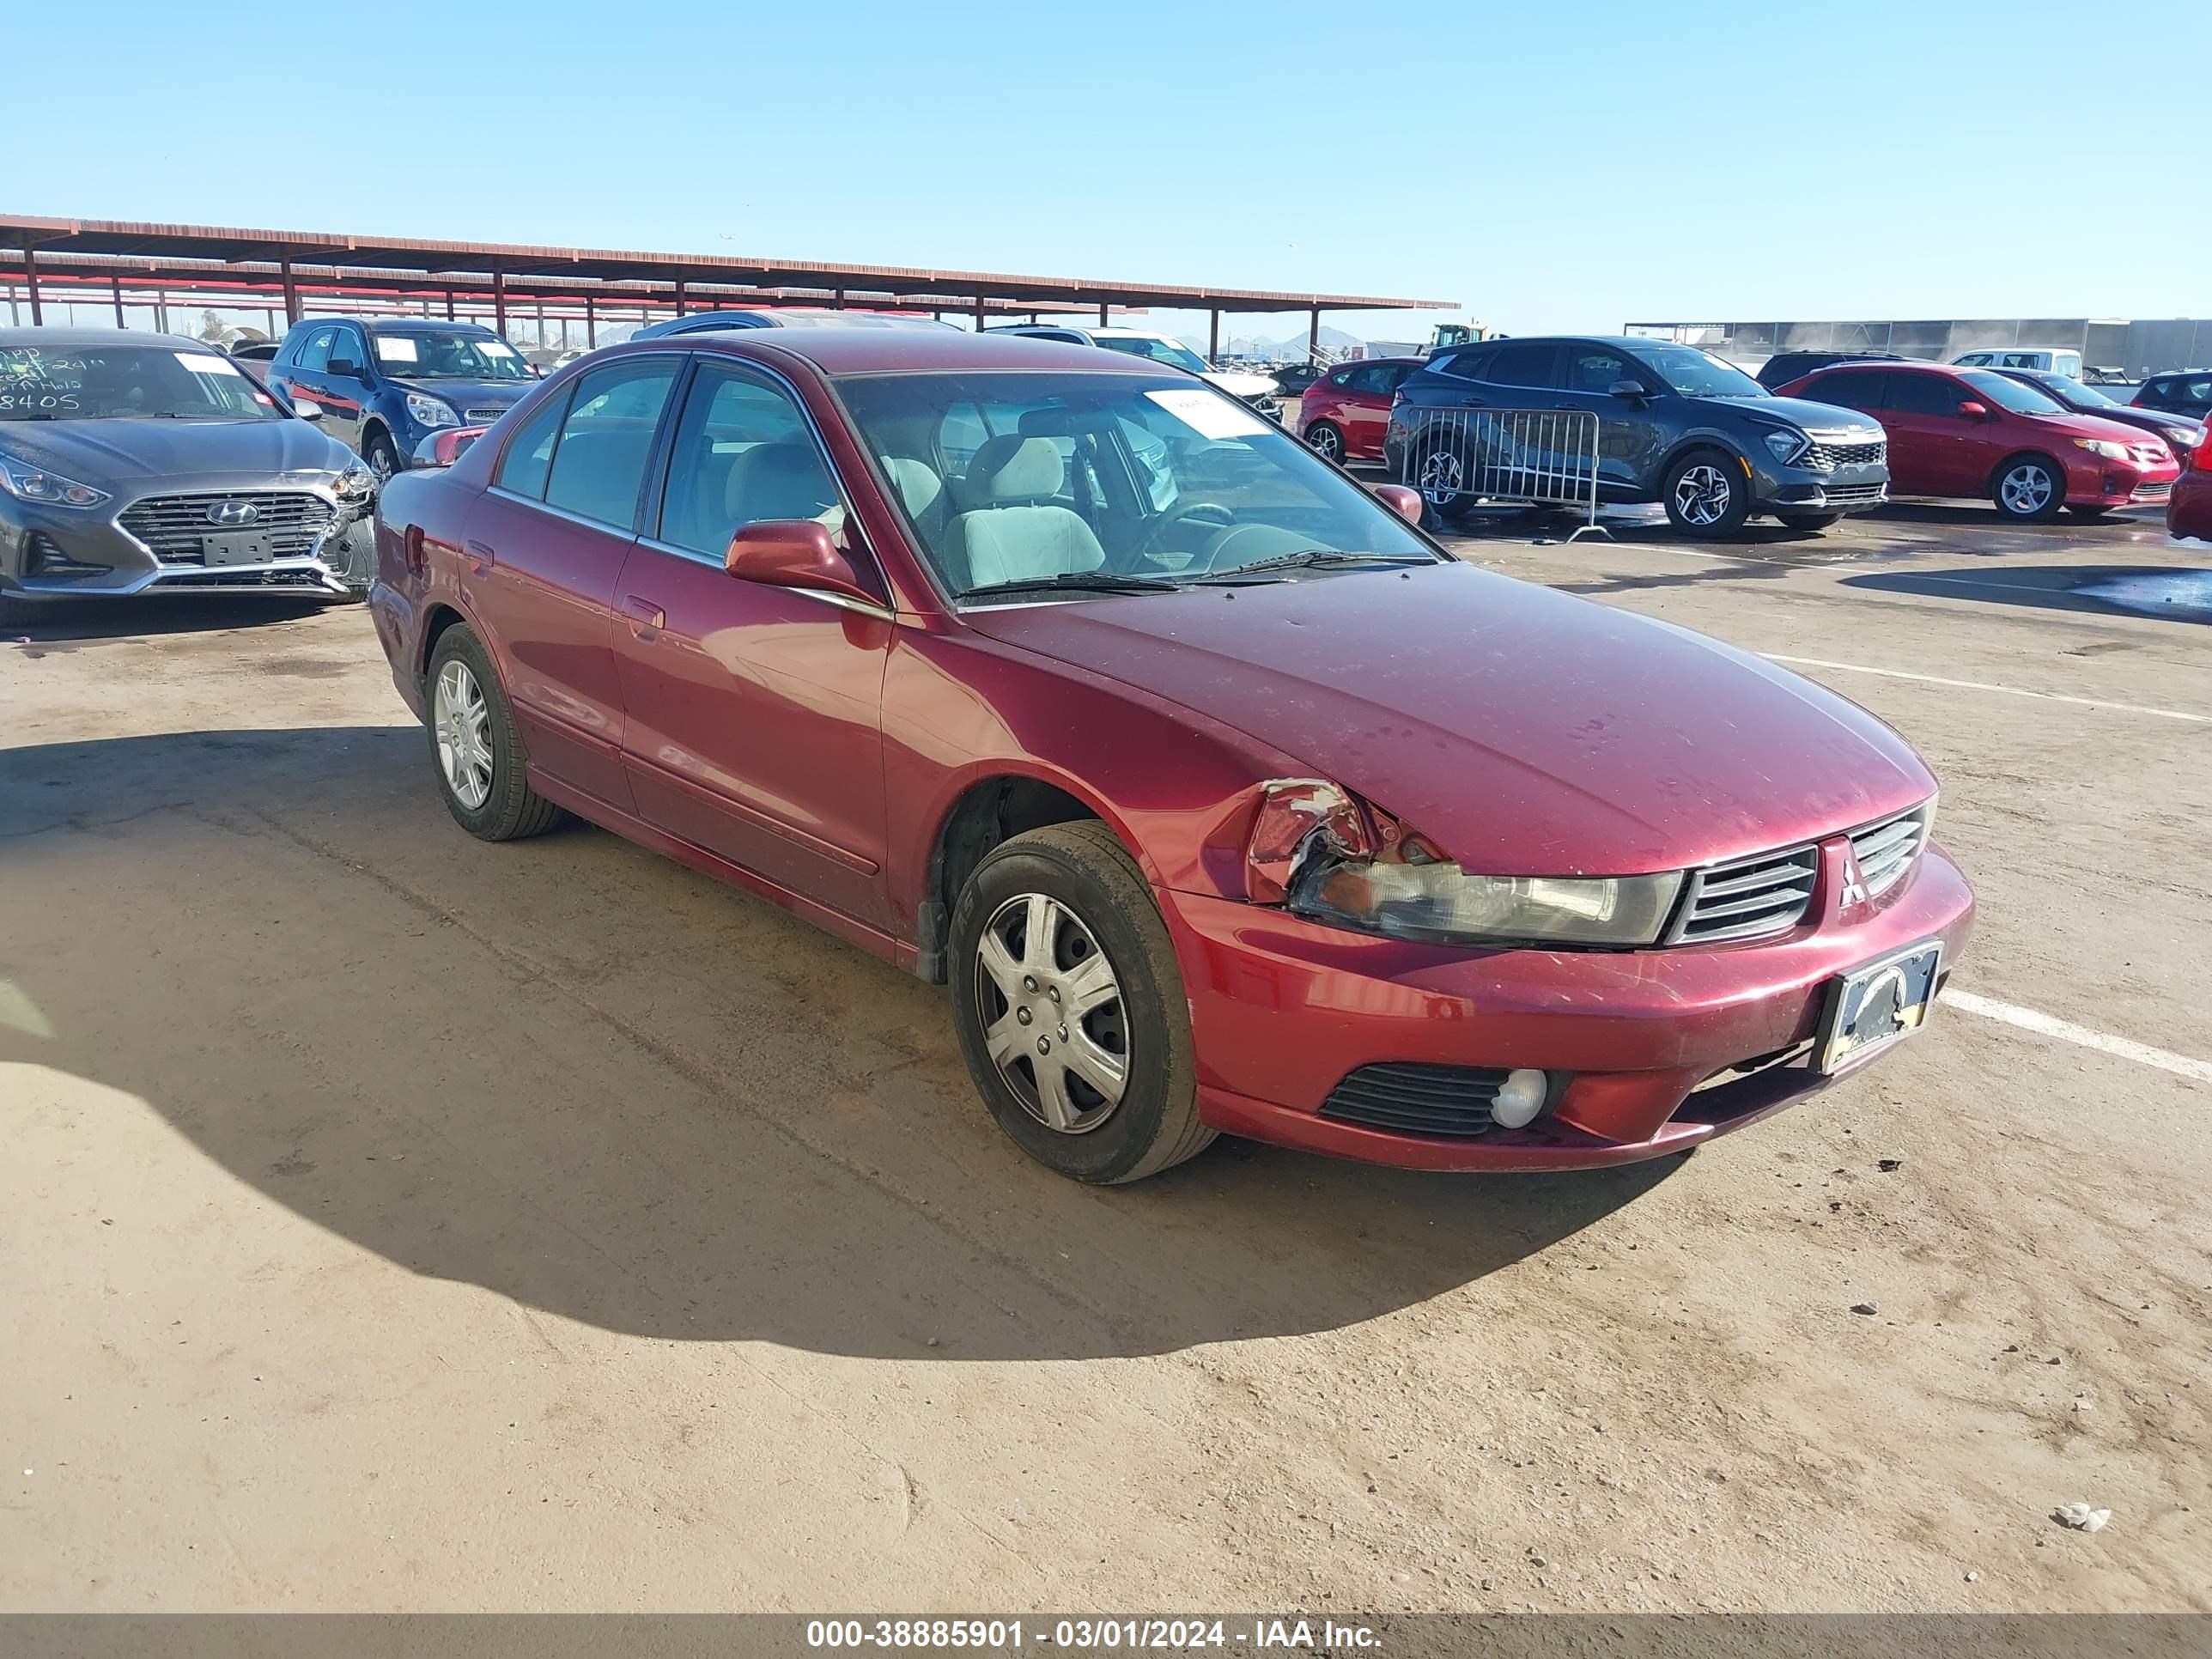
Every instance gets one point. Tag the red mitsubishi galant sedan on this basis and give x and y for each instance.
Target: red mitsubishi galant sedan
(1222, 797)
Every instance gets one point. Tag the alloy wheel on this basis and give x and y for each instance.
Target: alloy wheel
(1326, 442)
(2026, 489)
(463, 728)
(1442, 477)
(379, 464)
(1702, 494)
(1051, 1006)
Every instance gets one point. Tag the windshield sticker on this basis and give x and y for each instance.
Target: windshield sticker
(204, 362)
(395, 348)
(1208, 413)
(495, 348)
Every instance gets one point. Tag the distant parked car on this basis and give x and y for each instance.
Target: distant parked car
(1292, 382)
(253, 350)
(1346, 413)
(137, 463)
(1260, 390)
(384, 382)
(1785, 367)
(2189, 511)
(1680, 427)
(2051, 360)
(699, 322)
(2181, 433)
(2188, 391)
(1974, 432)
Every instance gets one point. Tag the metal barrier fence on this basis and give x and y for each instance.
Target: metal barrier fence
(1537, 457)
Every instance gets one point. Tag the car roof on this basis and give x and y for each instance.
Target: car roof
(899, 351)
(100, 336)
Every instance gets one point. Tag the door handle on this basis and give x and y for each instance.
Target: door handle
(646, 619)
(481, 554)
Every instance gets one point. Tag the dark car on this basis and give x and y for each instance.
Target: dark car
(137, 462)
(2185, 392)
(2181, 433)
(1785, 367)
(1676, 425)
(385, 382)
(1294, 381)
(698, 322)
(1220, 798)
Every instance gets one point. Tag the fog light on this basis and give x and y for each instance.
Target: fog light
(1519, 1099)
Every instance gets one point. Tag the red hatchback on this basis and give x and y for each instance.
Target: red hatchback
(1222, 797)
(1345, 413)
(1974, 432)
(2190, 511)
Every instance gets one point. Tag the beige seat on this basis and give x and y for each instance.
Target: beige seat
(1010, 529)
(921, 492)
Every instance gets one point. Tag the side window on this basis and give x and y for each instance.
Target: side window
(742, 452)
(1395, 376)
(315, 352)
(529, 455)
(1849, 388)
(1923, 394)
(1589, 369)
(2020, 360)
(599, 461)
(1341, 377)
(1523, 366)
(1974, 359)
(1466, 365)
(1366, 378)
(2196, 392)
(348, 347)
(960, 434)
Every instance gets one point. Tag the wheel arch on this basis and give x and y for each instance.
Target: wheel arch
(994, 806)
(2025, 453)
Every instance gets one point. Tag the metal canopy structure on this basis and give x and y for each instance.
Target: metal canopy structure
(80, 252)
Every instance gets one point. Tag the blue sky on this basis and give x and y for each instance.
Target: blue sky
(1548, 166)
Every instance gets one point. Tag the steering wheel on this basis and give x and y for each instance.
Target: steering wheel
(1177, 514)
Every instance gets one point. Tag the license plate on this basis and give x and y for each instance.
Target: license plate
(241, 547)
(1871, 1007)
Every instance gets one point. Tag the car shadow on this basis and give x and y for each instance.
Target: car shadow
(2164, 592)
(606, 1088)
(73, 622)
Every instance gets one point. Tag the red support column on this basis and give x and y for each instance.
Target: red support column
(449, 305)
(31, 279)
(499, 302)
(1313, 338)
(1102, 313)
(679, 297)
(978, 312)
(1213, 338)
(590, 325)
(116, 283)
(291, 293)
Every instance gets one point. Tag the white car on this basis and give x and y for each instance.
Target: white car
(2051, 360)
(1258, 390)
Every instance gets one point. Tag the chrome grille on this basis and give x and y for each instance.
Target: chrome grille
(172, 526)
(1451, 1102)
(1747, 898)
(1826, 457)
(482, 416)
(1885, 850)
(1871, 495)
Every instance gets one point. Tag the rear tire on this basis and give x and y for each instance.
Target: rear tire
(1808, 521)
(1107, 1005)
(1707, 493)
(2029, 489)
(475, 748)
(1325, 439)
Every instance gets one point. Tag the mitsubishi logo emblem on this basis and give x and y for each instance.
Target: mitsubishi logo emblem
(231, 515)
(1855, 887)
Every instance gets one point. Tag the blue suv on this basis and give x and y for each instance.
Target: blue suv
(386, 383)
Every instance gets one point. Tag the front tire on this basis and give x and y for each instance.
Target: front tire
(1070, 1009)
(474, 747)
(2029, 489)
(383, 457)
(1326, 440)
(1707, 493)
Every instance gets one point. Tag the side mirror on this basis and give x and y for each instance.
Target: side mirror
(445, 446)
(344, 366)
(1404, 502)
(795, 553)
(307, 409)
(1973, 410)
(1635, 389)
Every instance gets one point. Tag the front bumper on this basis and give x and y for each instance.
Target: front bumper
(2095, 482)
(1284, 1010)
(64, 553)
(1854, 488)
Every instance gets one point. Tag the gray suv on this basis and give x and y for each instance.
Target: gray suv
(137, 462)
(1675, 425)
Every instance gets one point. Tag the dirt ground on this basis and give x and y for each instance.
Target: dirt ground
(393, 1221)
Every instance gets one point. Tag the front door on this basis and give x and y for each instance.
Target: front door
(754, 722)
(344, 386)
(1630, 440)
(546, 544)
(1945, 453)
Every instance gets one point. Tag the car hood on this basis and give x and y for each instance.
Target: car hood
(1830, 421)
(122, 456)
(469, 394)
(1526, 731)
(2092, 426)
(1244, 386)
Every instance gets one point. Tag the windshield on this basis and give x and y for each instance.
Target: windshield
(1096, 479)
(1160, 351)
(1700, 374)
(2007, 393)
(127, 382)
(2074, 392)
(444, 355)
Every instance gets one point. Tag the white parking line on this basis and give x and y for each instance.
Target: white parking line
(2066, 1031)
(1984, 685)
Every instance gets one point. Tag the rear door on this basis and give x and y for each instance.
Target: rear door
(300, 375)
(754, 714)
(345, 387)
(546, 544)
